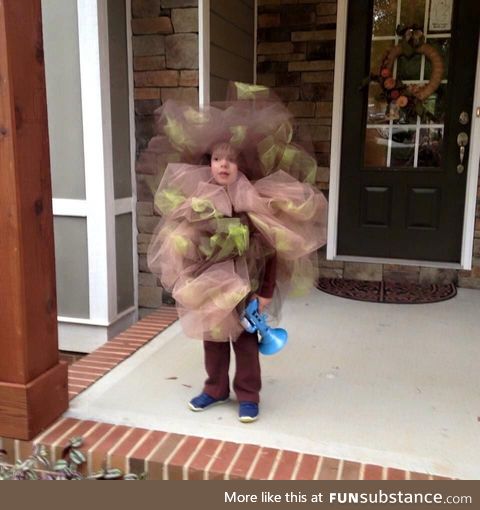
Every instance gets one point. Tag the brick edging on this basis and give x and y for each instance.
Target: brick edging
(170, 456)
(83, 373)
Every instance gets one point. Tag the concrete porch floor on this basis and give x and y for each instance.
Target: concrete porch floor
(394, 385)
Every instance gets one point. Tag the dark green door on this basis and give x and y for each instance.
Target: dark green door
(402, 193)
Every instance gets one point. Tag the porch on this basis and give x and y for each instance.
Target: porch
(362, 391)
(393, 394)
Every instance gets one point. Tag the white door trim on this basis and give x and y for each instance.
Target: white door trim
(472, 176)
(337, 114)
(203, 52)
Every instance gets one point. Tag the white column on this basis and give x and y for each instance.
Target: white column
(95, 86)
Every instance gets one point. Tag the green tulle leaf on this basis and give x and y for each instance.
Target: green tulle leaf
(168, 200)
(238, 134)
(177, 135)
(249, 91)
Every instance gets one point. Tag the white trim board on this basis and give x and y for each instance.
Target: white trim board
(79, 320)
(69, 207)
(203, 52)
(133, 199)
(94, 74)
(472, 176)
(123, 205)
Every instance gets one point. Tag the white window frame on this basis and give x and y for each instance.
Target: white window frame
(99, 207)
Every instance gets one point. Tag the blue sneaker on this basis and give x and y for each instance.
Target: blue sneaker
(204, 401)
(247, 411)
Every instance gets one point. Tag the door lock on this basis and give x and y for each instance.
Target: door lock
(464, 118)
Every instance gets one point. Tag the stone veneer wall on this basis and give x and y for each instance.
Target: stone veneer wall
(296, 57)
(165, 61)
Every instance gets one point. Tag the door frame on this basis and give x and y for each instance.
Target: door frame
(468, 229)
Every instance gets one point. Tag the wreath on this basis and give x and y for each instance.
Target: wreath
(412, 98)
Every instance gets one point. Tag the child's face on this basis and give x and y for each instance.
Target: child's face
(224, 167)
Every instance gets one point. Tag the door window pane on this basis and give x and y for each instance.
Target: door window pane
(384, 17)
(409, 68)
(435, 106)
(413, 12)
(403, 147)
(377, 105)
(376, 147)
(430, 147)
(379, 49)
(443, 47)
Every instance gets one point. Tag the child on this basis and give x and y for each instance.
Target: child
(247, 381)
(225, 239)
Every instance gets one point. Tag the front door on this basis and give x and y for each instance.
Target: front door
(409, 85)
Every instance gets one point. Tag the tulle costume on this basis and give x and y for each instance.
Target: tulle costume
(210, 247)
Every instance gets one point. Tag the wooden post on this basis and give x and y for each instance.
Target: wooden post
(33, 383)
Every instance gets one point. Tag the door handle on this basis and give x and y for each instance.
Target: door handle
(462, 142)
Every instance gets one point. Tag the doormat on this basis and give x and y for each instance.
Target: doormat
(387, 292)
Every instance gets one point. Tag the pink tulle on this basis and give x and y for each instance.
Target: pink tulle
(213, 244)
(203, 256)
(261, 130)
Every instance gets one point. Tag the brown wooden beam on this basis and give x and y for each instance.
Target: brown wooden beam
(33, 383)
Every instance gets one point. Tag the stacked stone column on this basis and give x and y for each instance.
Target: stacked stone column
(165, 61)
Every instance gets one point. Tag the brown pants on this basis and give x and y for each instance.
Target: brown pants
(247, 381)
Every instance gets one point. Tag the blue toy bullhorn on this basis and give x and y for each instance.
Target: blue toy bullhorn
(272, 340)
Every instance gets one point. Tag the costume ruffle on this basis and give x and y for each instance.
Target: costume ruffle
(252, 120)
(212, 243)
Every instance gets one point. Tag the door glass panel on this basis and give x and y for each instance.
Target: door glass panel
(379, 47)
(412, 12)
(402, 147)
(409, 68)
(443, 47)
(376, 147)
(413, 126)
(430, 145)
(377, 106)
(435, 106)
(384, 17)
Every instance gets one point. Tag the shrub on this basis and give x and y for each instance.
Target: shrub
(38, 466)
